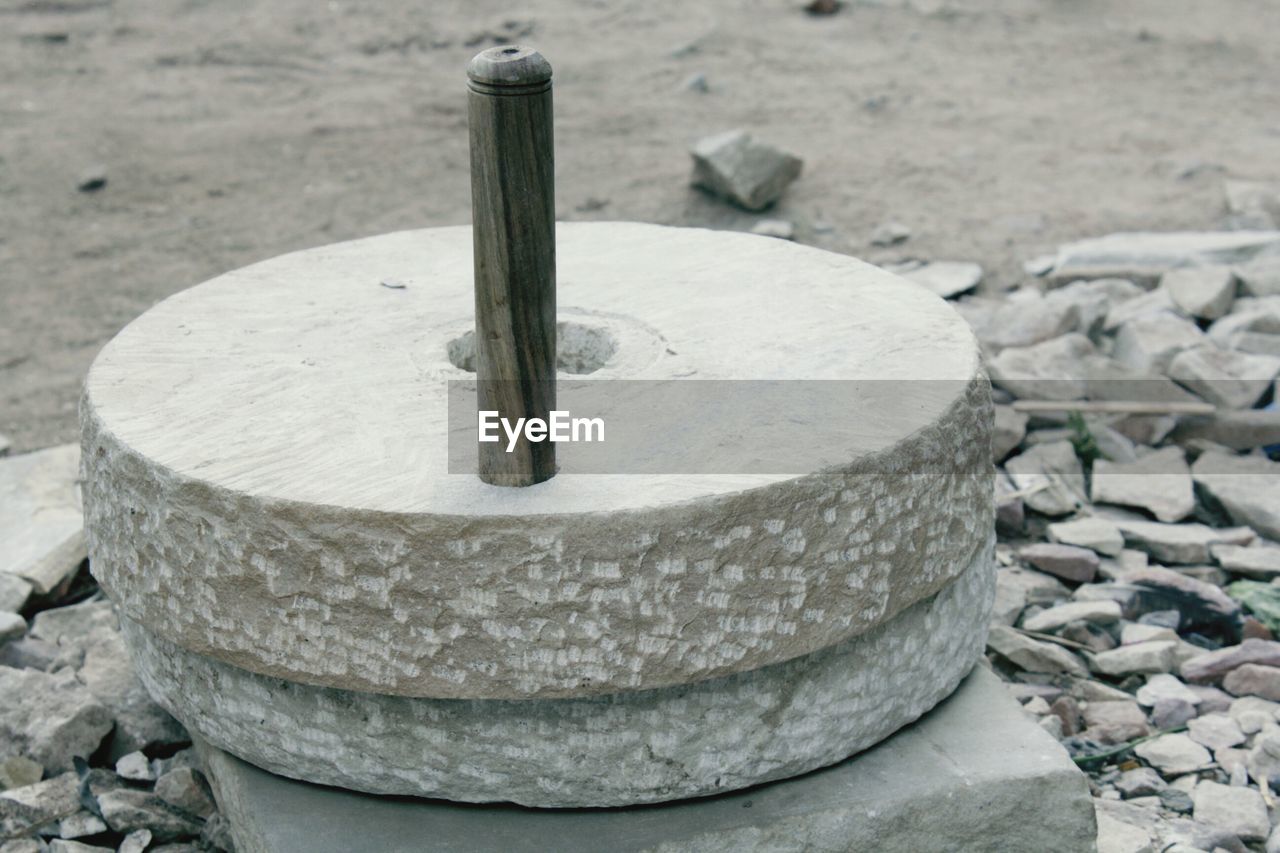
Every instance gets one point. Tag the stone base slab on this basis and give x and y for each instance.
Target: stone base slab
(973, 775)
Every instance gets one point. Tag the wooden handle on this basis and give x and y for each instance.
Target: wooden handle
(513, 222)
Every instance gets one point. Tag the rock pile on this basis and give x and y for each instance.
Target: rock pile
(1139, 579)
(88, 762)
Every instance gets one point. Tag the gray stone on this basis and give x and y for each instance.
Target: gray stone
(890, 234)
(1172, 713)
(1216, 731)
(1255, 343)
(137, 841)
(1247, 487)
(59, 845)
(1019, 320)
(1056, 369)
(1212, 666)
(135, 766)
(186, 788)
(1118, 836)
(1115, 722)
(1261, 276)
(1149, 343)
(747, 172)
(5, 444)
(1183, 544)
(642, 746)
(1011, 514)
(12, 626)
(1173, 754)
(41, 521)
(1016, 587)
(23, 810)
(1065, 561)
(1143, 305)
(1145, 256)
(17, 771)
(1226, 378)
(1054, 471)
(1253, 715)
(126, 810)
(49, 718)
(1159, 482)
(1010, 428)
(779, 228)
(1257, 561)
(300, 555)
(1153, 656)
(1032, 655)
(1252, 204)
(1252, 679)
(1096, 534)
(80, 824)
(975, 774)
(1097, 612)
(1240, 811)
(1237, 430)
(1204, 292)
(1137, 632)
(1092, 301)
(1165, 687)
(1139, 782)
(947, 278)
(14, 592)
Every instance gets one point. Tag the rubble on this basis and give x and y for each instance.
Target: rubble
(749, 173)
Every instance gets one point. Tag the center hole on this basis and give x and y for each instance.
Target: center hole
(580, 349)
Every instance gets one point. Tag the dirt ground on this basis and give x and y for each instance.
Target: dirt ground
(234, 131)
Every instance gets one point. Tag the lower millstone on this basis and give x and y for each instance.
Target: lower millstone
(648, 746)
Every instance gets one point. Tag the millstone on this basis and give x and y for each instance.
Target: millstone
(268, 497)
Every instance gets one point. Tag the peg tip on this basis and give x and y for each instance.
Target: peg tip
(509, 65)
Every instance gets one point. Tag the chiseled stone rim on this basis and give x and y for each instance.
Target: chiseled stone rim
(643, 747)
(813, 561)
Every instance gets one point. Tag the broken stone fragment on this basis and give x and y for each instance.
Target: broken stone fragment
(1096, 534)
(1226, 378)
(737, 167)
(41, 519)
(1173, 754)
(1032, 655)
(946, 278)
(1205, 292)
(126, 810)
(1252, 679)
(1241, 811)
(1145, 256)
(1212, 666)
(187, 789)
(1181, 544)
(49, 718)
(1256, 561)
(1052, 477)
(1115, 722)
(1159, 482)
(1065, 561)
(1056, 369)
(1247, 487)
(1096, 612)
(1215, 731)
(1153, 656)
(1010, 429)
(1149, 343)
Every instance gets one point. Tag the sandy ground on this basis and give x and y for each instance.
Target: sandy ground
(234, 131)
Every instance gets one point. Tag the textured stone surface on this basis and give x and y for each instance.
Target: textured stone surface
(973, 775)
(635, 747)
(743, 170)
(1159, 482)
(41, 522)
(297, 526)
(1247, 487)
(1145, 256)
(49, 718)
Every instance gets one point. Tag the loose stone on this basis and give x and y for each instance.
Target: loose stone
(1241, 811)
(49, 718)
(1065, 561)
(1173, 754)
(1096, 534)
(1253, 679)
(1155, 656)
(1248, 488)
(1205, 292)
(1097, 612)
(1211, 667)
(746, 172)
(1216, 731)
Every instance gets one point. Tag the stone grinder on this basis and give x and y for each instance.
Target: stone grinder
(305, 585)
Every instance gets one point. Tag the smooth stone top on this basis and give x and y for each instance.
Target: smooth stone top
(267, 479)
(509, 65)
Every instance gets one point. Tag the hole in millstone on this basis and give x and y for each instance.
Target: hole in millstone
(579, 349)
(511, 51)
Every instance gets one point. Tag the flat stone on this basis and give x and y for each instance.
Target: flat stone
(1118, 836)
(59, 845)
(12, 626)
(641, 746)
(1149, 343)
(1159, 482)
(1260, 276)
(1172, 713)
(1142, 305)
(779, 228)
(136, 767)
(1216, 731)
(1115, 722)
(947, 278)
(1252, 679)
(1212, 666)
(890, 234)
(1055, 369)
(1185, 544)
(126, 810)
(1096, 534)
(1204, 292)
(1019, 319)
(23, 810)
(1241, 811)
(1097, 612)
(1247, 487)
(1173, 754)
(975, 774)
(1139, 782)
(1010, 512)
(138, 841)
(1016, 587)
(1252, 203)
(1145, 256)
(747, 172)
(1226, 378)
(14, 592)
(1053, 470)
(80, 824)
(1010, 428)
(1092, 301)
(1033, 655)
(186, 788)
(1256, 561)
(313, 559)
(1153, 656)
(1065, 561)
(49, 718)
(1196, 605)
(41, 520)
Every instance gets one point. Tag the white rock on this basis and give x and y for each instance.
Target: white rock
(1261, 276)
(1204, 292)
(1149, 343)
(1092, 301)
(890, 234)
(1136, 632)
(1142, 305)
(1257, 561)
(1173, 754)
(1091, 532)
(737, 167)
(14, 592)
(1153, 656)
(41, 520)
(1242, 811)
(12, 626)
(779, 228)
(1159, 482)
(1252, 204)
(1033, 655)
(1117, 836)
(1016, 587)
(1183, 544)
(1095, 612)
(1216, 731)
(1165, 686)
(1010, 428)
(1232, 380)
(947, 278)
(1145, 256)
(80, 824)
(135, 842)
(1248, 487)
(1056, 369)
(49, 718)
(135, 766)
(1055, 467)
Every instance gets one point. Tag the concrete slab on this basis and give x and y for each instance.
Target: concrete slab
(974, 775)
